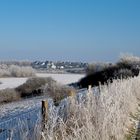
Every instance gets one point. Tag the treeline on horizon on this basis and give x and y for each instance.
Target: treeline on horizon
(101, 73)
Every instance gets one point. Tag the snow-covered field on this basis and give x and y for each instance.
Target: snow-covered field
(62, 78)
(11, 82)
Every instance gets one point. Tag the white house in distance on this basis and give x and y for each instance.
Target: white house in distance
(53, 66)
(61, 67)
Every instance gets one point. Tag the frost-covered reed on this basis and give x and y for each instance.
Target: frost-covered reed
(100, 116)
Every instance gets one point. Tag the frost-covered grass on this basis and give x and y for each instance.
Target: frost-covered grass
(9, 95)
(105, 116)
(57, 92)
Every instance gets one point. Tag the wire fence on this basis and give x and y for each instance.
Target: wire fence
(21, 124)
(27, 124)
(62, 110)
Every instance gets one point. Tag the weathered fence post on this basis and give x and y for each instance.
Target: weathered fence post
(44, 116)
(44, 112)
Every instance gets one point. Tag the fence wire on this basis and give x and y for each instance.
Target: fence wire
(23, 123)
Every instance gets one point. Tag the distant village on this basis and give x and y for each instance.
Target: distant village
(72, 67)
(49, 66)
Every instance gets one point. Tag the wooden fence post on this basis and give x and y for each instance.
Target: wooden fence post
(44, 112)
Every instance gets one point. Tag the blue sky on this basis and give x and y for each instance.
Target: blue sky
(74, 30)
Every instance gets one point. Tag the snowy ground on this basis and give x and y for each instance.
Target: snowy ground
(11, 82)
(62, 78)
(14, 108)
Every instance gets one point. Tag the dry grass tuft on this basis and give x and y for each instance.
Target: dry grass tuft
(9, 95)
(17, 71)
(33, 86)
(57, 91)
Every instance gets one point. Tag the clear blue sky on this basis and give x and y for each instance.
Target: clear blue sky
(75, 30)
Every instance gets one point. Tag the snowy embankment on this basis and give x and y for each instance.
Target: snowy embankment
(61, 78)
(14, 108)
